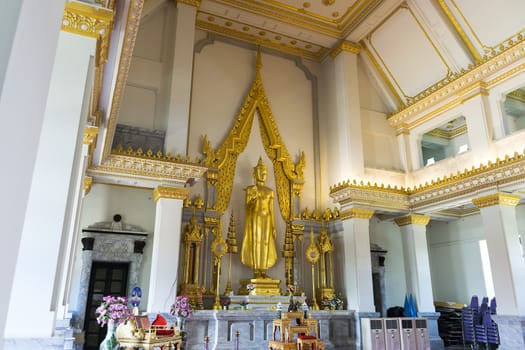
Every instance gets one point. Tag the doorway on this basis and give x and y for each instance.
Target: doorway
(107, 278)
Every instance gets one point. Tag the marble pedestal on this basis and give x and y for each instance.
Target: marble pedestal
(336, 328)
(511, 331)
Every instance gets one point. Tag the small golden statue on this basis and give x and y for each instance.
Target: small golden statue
(258, 247)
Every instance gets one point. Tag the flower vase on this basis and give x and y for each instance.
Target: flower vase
(180, 323)
(291, 306)
(110, 341)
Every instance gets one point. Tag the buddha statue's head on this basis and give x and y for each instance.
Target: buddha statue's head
(259, 172)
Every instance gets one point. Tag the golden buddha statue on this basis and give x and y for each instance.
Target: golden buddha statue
(258, 246)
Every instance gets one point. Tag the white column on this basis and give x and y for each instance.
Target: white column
(476, 111)
(498, 213)
(25, 35)
(166, 248)
(181, 79)
(45, 225)
(348, 114)
(417, 265)
(357, 263)
(404, 150)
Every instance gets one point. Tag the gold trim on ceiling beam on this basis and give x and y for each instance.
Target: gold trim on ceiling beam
(194, 3)
(266, 42)
(347, 47)
(485, 47)
(314, 22)
(459, 30)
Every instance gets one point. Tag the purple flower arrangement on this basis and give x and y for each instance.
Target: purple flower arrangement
(181, 307)
(113, 309)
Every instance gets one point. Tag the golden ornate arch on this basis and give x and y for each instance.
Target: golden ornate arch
(222, 163)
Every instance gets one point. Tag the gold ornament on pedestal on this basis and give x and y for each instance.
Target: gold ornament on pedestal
(258, 247)
(326, 270)
(191, 265)
(232, 249)
(312, 255)
(219, 248)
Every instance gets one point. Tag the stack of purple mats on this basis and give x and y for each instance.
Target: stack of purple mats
(478, 326)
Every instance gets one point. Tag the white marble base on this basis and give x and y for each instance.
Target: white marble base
(55, 343)
(511, 331)
(336, 328)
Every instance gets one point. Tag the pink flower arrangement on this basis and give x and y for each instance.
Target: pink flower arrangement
(113, 309)
(181, 307)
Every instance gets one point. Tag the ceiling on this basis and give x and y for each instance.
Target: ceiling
(410, 48)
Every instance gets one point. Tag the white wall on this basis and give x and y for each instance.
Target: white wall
(136, 207)
(380, 146)
(387, 235)
(455, 259)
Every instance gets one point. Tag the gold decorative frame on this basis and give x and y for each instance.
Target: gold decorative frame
(289, 176)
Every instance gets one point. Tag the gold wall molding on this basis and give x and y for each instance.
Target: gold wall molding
(86, 184)
(288, 175)
(492, 175)
(448, 134)
(90, 135)
(334, 27)
(93, 22)
(461, 86)
(356, 213)
(412, 220)
(132, 25)
(496, 199)
(468, 43)
(146, 169)
(169, 193)
(314, 53)
(345, 46)
(194, 3)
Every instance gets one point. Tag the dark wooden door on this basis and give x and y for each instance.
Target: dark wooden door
(106, 279)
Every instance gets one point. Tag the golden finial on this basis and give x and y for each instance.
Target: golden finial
(259, 60)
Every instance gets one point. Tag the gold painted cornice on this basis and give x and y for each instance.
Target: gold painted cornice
(488, 176)
(448, 134)
(314, 53)
(357, 213)
(93, 22)
(412, 220)
(496, 199)
(346, 47)
(151, 170)
(86, 184)
(194, 3)
(169, 193)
